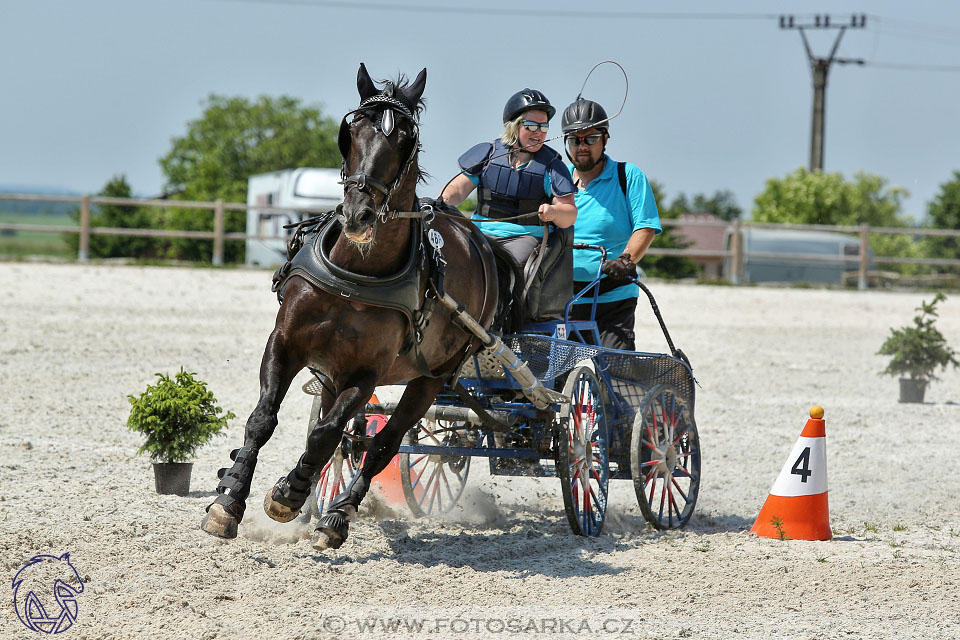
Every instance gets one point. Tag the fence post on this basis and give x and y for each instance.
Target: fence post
(83, 254)
(736, 246)
(218, 226)
(864, 247)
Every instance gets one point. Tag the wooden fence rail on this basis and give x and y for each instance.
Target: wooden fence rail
(735, 253)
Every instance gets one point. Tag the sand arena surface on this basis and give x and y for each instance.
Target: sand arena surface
(75, 340)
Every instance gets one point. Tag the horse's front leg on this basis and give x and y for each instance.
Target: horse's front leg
(332, 529)
(277, 371)
(284, 501)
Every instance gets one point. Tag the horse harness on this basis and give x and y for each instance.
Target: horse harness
(308, 250)
(308, 255)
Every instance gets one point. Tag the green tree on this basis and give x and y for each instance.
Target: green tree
(667, 266)
(125, 217)
(805, 197)
(234, 139)
(943, 212)
(722, 204)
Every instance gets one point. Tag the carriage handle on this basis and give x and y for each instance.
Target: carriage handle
(595, 285)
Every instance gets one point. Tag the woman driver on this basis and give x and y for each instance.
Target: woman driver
(517, 174)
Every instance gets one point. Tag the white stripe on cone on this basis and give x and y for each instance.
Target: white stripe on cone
(803, 474)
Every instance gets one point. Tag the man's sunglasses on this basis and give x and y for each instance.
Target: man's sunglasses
(592, 139)
(531, 125)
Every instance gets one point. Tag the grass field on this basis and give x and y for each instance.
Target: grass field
(17, 244)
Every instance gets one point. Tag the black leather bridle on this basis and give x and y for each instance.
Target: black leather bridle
(388, 105)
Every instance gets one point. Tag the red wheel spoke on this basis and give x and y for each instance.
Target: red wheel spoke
(673, 501)
(679, 490)
(416, 481)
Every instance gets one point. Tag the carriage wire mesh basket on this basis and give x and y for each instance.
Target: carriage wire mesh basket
(632, 373)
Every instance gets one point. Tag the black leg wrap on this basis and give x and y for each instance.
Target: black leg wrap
(336, 525)
(293, 490)
(234, 484)
(352, 495)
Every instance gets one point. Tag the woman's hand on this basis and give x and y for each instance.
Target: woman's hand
(547, 212)
(561, 212)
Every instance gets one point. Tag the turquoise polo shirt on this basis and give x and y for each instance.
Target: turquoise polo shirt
(608, 218)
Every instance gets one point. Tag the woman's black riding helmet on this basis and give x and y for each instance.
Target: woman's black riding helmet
(584, 114)
(525, 101)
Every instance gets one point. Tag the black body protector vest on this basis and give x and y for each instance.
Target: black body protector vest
(505, 192)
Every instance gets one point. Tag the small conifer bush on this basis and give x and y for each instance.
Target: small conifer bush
(918, 351)
(177, 415)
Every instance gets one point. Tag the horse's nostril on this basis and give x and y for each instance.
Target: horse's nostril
(366, 216)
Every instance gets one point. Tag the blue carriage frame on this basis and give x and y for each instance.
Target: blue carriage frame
(517, 438)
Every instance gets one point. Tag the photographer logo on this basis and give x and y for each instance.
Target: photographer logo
(45, 593)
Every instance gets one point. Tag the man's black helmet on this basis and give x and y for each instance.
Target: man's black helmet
(524, 101)
(584, 114)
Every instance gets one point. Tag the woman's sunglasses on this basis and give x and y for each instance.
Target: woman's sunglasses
(531, 125)
(576, 141)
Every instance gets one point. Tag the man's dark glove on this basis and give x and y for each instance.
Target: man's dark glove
(622, 269)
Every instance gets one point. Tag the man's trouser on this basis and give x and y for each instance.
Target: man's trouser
(615, 321)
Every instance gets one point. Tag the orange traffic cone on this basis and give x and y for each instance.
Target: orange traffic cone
(387, 483)
(797, 508)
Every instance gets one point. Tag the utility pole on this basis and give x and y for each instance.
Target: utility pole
(820, 68)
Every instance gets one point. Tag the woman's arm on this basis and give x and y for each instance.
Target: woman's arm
(561, 212)
(458, 190)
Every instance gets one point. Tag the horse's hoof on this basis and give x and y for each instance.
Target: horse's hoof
(218, 522)
(277, 511)
(332, 530)
(323, 540)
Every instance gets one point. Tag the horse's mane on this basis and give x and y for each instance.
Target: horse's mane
(394, 89)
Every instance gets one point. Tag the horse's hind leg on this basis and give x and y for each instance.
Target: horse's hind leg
(332, 529)
(277, 371)
(284, 501)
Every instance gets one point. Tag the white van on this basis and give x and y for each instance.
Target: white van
(304, 188)
(782, 268)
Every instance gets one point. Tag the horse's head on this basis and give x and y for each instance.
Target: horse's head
(379, 147)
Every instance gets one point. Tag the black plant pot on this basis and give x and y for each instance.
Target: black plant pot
(912, 390)
(172, 477)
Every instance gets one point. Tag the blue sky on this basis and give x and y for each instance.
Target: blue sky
(97, 88)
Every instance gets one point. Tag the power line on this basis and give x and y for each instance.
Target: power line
(901, 24)
(913, 67)
(513, 11)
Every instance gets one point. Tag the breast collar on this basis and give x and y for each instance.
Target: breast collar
(400, 291)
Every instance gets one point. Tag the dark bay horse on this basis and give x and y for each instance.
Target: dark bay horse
(359, 346)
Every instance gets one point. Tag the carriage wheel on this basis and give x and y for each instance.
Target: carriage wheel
(582, 455)
(433, 483)
(665, 458)
(335, 474)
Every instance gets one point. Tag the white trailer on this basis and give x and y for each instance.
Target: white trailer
(304, 188)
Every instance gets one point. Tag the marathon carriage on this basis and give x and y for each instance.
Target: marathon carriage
(623, 416)
(358, 295)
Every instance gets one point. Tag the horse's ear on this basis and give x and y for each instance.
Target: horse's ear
(364, 84)
(414, 91)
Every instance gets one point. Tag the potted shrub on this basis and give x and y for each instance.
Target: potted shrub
(917, 352)
(177, 415)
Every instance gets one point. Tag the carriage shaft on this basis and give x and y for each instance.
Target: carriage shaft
(539, 395)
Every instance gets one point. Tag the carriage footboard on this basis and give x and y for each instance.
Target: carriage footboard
(449, 413)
